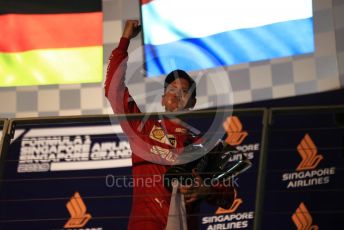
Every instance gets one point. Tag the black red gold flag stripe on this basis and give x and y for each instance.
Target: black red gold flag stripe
(50, 42)
(49, 6)
(22, 32)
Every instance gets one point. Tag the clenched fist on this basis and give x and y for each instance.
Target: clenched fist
(131, 29)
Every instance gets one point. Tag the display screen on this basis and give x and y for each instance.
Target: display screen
(194, 35)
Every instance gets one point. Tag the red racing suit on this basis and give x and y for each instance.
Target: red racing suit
(159, 141)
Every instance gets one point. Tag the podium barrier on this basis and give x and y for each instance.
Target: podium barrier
(304, 174)
(295, 180)
(243, 213)
(55, 176)
(40, 188)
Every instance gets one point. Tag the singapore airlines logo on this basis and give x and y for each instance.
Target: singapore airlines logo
(230, 218)
(308, 173)
(303, 219)
(309, 154)
(232, 209)
(77, 210)
(233, 127)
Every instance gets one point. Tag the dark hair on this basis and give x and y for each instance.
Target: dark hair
(181, 74)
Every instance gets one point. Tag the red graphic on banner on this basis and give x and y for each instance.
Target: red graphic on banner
(77, 209)
(232, 209)
(309, 154)
(233, 127)
(303, 219)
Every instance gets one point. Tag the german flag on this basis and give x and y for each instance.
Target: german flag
(50, 42)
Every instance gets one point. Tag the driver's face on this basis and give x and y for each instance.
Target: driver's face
(176, 95)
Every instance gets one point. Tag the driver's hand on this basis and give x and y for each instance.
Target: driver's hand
(131, 29)
(195, 191)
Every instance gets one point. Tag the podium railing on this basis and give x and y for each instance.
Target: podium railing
(283, 144)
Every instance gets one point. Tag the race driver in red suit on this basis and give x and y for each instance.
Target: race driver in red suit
(160, 142)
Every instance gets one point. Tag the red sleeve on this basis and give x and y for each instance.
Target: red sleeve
(116, 68)
(115, 89)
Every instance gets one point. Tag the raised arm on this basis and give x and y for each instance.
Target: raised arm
(115, 88)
